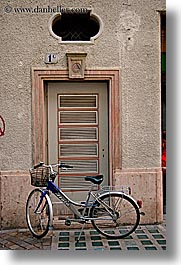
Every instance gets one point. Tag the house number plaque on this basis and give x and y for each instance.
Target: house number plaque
(51, 58)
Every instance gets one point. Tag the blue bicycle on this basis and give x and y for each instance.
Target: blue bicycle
(114, 214)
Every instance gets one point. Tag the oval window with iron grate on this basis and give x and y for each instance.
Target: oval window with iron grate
(75, 27)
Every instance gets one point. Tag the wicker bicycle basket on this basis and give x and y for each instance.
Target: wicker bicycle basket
(40, 176)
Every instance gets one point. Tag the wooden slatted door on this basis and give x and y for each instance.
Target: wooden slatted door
(78, 130)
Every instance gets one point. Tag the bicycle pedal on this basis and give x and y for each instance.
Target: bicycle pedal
(67, 222)
(142, 213)
(51, 228)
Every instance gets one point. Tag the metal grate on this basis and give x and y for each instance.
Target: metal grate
(74, 183)
(77, 101)
(75, 117)
(81, 134)
(75, 150)
(78, 143)
(82, 166)
(75, 27)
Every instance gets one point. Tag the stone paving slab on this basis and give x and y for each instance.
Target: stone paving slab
(144, 238)
(148, 237)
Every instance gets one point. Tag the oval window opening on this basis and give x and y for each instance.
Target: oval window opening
(75, 27)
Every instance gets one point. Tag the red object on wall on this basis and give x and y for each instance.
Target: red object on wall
(2, 126)
(164, 151)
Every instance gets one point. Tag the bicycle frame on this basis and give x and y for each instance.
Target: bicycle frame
(71, 204)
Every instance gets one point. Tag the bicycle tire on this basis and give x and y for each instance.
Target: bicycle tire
(38, 222)
(125, 218)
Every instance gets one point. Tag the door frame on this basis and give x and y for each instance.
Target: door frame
(39, 120)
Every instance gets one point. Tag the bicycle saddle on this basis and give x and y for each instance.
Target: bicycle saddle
(95, 179)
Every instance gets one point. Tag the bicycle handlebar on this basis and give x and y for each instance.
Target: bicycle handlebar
(38, 165)
(52, 166)
(64, 166)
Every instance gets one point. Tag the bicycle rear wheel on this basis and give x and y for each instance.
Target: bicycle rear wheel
(116, 216)
(37, 213)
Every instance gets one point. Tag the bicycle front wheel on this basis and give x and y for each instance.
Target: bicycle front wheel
(116, 215)
(38, 213)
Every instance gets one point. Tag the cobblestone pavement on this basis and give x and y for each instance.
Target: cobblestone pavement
(146, 237)
(22, 240)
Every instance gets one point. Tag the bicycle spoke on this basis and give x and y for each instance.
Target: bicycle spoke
(37, 214)
(118, 212)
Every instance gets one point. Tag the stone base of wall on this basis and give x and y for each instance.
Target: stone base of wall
(146, 184)
(14, 189)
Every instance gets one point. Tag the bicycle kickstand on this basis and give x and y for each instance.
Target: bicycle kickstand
(80, 233)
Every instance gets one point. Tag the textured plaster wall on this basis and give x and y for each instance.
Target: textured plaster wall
(130, 41)
(139, 49)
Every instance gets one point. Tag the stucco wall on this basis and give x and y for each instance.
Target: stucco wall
(141, 102)
(130, 41)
